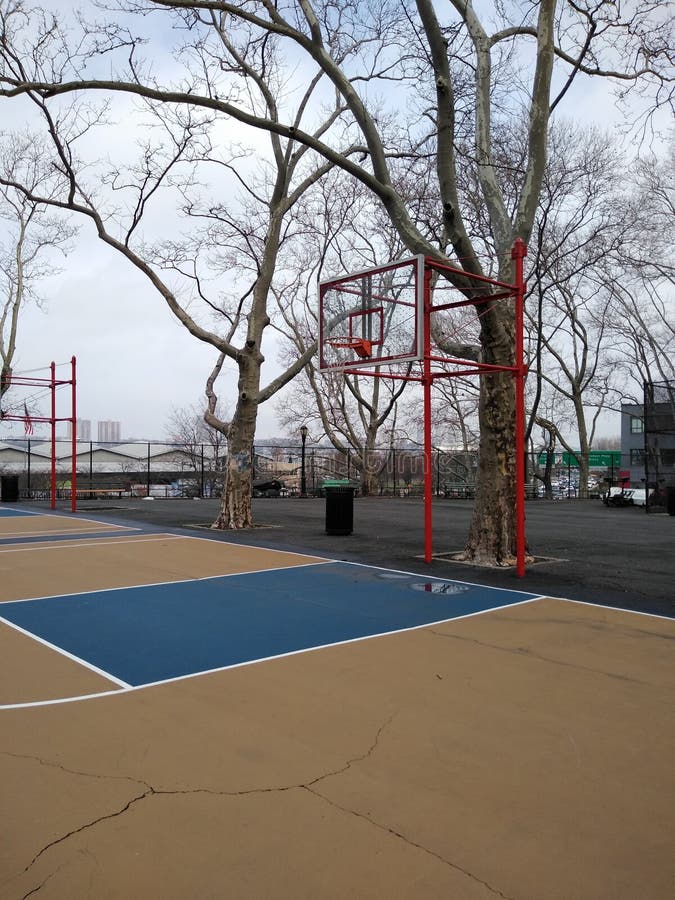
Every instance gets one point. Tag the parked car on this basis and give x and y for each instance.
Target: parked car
(617, 496)
(271, 488)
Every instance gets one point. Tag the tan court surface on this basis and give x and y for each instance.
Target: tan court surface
(39, 526)
(524, 754)
(67, 567)
(31, 671)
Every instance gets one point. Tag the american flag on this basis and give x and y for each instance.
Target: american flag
(28, 422)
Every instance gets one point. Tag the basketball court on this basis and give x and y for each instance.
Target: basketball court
(187, 717)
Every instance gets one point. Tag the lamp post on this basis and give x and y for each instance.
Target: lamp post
(303, 474)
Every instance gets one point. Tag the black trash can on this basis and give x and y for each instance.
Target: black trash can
(339, 509)
(670, 500)
(9, 488)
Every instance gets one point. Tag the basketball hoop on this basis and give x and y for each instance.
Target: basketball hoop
(362, 348)
(390, 307)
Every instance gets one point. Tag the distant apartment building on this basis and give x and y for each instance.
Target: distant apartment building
(648, 441)
(109, 432)
(82, 432)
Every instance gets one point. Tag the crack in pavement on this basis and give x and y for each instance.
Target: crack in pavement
(42, 883)
(527, 652)
(310, 787)
(611, 628)
(150, 791)
(356, 759)
(49, 763)
(410, 842)
(84, 827)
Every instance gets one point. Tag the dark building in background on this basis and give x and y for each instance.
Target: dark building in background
(648, 437)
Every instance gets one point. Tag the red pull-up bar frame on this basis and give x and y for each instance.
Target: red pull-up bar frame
(52, 383)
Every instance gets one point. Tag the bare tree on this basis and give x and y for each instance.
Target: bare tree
(343, 230)
(456, 413)
(579, 228)
(246, 235)
(431, 60)
(205, 447)
(642, 281)
(30, 239)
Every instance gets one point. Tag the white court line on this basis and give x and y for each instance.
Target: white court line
(23, 512)
(155, 584)
(198, 537)
(13, 535)
(252, 662)
(70, 517)
(131, 689)
(107, 526)
(635, 612)
(101, 542)
(425, 577)
(62, 652)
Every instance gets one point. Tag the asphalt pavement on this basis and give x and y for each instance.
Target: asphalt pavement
(620, 557)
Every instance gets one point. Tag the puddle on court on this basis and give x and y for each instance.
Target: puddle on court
(428, 587)
(440, 587)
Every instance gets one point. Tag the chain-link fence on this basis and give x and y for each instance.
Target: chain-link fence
(382, 471)
(564, 475)
(114, 470)
(161, 469)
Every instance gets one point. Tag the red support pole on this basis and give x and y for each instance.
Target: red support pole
(518, 254)
(52, 490)
(73, 451)
(426, 386)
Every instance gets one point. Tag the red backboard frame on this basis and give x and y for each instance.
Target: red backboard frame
(426, 371)
(334, 337)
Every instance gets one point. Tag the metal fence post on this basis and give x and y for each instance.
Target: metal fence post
(201, 489)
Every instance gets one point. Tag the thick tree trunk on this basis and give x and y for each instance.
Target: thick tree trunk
(235, 510)
(492, 536)
(370, 468)
(5, 378)
(235, 504)
(235, 507)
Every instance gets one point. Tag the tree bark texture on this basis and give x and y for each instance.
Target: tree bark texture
(235, 504)
(492, 536)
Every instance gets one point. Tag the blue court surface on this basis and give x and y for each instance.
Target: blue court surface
(143, 635)
(11, 513)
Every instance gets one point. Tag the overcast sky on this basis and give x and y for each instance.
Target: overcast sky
(136, 364)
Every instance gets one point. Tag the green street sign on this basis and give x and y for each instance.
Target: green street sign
(597, 459)
(605, 458)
